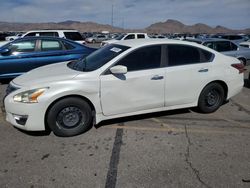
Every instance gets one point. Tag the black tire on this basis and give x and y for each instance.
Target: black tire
(211, 98)
(69, 117)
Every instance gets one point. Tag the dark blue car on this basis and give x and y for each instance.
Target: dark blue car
(24, 54)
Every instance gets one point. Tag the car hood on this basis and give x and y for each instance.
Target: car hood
(46, 74)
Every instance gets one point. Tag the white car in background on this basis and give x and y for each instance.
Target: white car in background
(127, 36)
(67, 34)
(10, 38)
(122, 79)
(245, 44)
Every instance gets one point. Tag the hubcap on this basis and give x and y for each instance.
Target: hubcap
(212, 98)
(70, 117)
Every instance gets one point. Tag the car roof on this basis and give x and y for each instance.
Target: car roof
(206, 40)
(145, 42)
(41, 37)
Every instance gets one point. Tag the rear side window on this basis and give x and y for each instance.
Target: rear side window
(233, 46)
(143, 58)
(209, 45)
(68, 46)
(30, 34)
(73, 36)
(222, 46)
(51, 34)
(185, 55)
(141, 36)
(50, 45)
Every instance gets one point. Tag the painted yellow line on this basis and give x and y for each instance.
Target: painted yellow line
(181, 130)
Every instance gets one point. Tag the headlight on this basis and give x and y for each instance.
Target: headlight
(29, 96)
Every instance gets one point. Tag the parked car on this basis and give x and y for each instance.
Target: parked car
(245, 44)
(67, 34)
(13, 37)
(127, 36)
(3, 36)
(24, 54)
(122, 79)
(96, 38)
(234, 38)
(226, 47)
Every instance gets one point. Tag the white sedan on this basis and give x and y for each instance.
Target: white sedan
(122, 79)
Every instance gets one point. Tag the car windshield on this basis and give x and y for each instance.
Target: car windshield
(120, 37)
(98, 58)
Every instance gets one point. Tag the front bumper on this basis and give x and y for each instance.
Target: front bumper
(28, 117)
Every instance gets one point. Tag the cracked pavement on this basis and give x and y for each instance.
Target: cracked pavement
(170, 149)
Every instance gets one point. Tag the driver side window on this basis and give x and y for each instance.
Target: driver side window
(22, 47)
(142, 59)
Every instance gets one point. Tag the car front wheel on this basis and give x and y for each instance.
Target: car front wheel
(69, 117)
(211, 98)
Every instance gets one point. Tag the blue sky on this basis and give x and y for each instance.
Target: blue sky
(135, 14)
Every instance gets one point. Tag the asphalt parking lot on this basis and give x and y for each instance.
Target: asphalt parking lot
(170, 149)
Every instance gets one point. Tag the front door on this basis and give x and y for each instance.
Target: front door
(142, 88)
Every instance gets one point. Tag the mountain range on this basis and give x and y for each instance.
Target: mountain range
(169, 26)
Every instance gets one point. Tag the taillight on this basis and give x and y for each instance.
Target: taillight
(239, 66)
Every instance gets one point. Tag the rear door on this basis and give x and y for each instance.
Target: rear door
(188, 70)
(142, 88)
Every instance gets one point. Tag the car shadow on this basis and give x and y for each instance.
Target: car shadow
(5, 81)
(35, 133)
(141, 117)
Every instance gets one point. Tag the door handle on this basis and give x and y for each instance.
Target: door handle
(157, 77)
(203, 70)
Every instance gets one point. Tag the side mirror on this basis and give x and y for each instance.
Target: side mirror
(4, 51)
(119, 69)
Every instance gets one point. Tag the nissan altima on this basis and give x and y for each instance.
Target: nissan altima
(122, 79)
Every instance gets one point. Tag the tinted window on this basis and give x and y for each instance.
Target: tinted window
(182, 55)
(67, 45)
(73, 36)
(141, 36)
(244, 45)
(51, 34)
(209, 45)
(233, 46)
(50, 45)
(21, 47)
(129, 37)
(235, 37)
(222, 46)
(30, 34)
(205, 56)
(143, 58)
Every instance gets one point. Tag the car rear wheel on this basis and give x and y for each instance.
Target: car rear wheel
(211, 98)
(69, 117)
